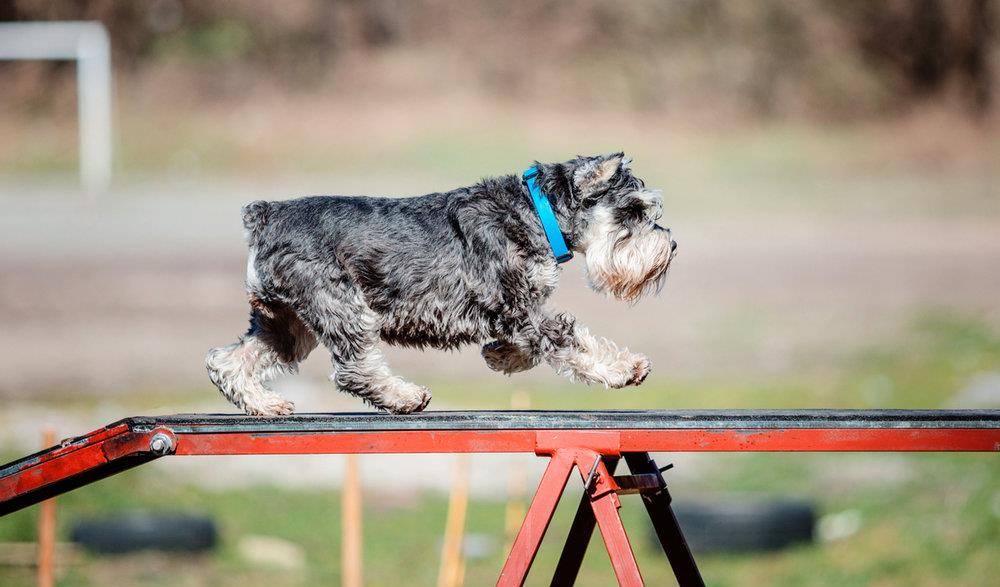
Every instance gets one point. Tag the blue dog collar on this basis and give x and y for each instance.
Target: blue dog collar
(548, 218)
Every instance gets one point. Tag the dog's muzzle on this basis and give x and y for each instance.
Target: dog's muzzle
(629, 268)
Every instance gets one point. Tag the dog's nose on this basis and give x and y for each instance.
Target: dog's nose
(673, 246)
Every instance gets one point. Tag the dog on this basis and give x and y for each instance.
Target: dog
(471, 266)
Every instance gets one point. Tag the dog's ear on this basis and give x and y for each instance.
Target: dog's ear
(597, 171)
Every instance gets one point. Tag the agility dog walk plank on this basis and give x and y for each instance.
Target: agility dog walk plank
(577, 420)
(133, 441)
(590, 443)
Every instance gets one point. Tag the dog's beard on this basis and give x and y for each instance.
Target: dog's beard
(629, 266)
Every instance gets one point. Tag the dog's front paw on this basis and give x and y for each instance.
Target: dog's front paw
(402, 397)
(268, 405)
(507, 358)
(640, 369)
(629, 369)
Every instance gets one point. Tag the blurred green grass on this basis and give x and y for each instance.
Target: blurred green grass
(928, 519)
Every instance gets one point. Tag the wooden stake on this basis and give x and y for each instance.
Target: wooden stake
(452, 570)
(351, 553)
(47, 529)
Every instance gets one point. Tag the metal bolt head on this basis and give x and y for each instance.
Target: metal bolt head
(161, 444)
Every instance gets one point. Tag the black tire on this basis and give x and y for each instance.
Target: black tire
(745, 525)
(146, 531)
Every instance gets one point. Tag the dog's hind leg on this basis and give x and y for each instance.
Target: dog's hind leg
(349, 328)
(274, 345)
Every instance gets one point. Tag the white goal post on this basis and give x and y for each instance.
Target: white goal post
(86, 43)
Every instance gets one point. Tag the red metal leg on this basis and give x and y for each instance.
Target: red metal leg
(605, 503)
(578, 538)
(536, 522)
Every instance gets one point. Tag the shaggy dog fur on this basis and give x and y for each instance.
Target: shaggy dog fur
(469, 266)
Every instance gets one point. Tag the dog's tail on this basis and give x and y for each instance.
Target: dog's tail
(255, 217)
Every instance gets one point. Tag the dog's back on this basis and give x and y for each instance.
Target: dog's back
(334, 219)
(393, 248)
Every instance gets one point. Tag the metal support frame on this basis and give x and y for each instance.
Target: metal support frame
(592, 443)
(604, 503)
(599, 506)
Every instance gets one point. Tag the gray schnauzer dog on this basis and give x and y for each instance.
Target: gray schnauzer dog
(469, 266)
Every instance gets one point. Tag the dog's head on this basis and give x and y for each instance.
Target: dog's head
(614, 218)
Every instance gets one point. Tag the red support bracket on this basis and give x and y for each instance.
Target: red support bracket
(583, 451)
(604, 442)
